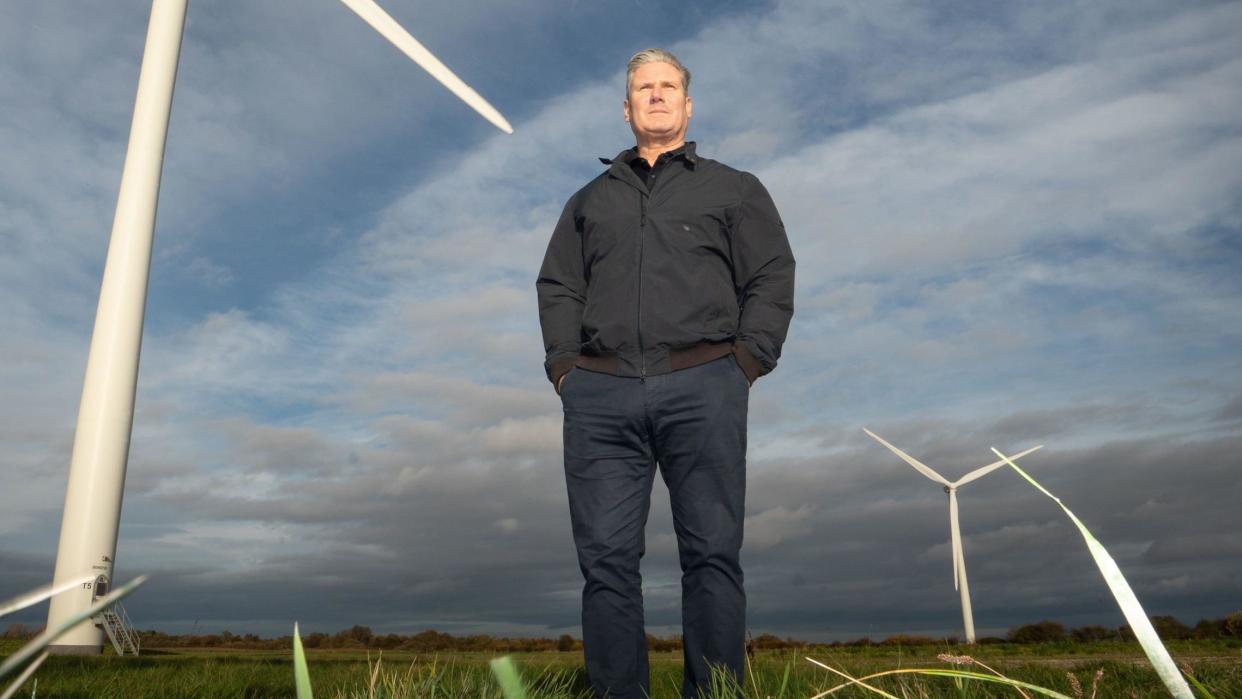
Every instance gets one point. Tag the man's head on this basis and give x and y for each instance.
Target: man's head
(657, 105)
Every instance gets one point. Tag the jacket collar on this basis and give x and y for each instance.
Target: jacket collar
(685, 152)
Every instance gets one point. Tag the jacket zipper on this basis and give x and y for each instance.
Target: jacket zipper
(642, 235)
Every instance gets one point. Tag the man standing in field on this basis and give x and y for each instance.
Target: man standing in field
(666, 290)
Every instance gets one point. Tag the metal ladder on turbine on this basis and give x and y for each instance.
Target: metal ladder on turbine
(120, 630)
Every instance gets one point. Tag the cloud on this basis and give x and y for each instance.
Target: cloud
(771, 527)
(1012, 228)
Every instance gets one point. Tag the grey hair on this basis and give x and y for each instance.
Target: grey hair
(656, 56)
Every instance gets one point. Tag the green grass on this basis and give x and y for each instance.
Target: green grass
(339, 673)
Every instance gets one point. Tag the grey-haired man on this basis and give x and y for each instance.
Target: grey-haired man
(666, 290)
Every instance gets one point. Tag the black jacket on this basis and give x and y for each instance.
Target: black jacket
(637, 284)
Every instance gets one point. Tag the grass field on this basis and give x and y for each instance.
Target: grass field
(337, 673)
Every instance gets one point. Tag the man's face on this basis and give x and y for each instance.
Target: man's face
(657, 107)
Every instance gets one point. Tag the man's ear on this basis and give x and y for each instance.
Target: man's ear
(689, 107)
(625, 109)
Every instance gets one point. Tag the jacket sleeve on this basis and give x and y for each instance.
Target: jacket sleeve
(562, 295)
(763, 275)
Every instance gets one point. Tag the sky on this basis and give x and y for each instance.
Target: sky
(1015, 224)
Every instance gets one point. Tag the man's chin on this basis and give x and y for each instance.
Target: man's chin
(657, 133)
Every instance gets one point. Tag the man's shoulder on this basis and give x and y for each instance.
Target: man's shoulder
(719, 169)
(730, 181)
(592, 185)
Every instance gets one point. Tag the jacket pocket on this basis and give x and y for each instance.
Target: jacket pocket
(565, 380)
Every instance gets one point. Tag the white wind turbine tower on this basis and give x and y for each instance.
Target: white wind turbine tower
(959, 560)
(106, 414)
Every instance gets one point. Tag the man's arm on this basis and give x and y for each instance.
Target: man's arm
(562, 296)
(763, 273)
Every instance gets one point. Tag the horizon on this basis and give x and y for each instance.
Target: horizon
(1014, 226)
(307, 634)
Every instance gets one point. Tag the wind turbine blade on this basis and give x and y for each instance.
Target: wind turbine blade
(380, 20)
(955, 533)
(981, 472)
(909, 459)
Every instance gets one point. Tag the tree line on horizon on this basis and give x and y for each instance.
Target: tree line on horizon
(361, 637)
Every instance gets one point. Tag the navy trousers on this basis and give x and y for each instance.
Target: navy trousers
(692, 423)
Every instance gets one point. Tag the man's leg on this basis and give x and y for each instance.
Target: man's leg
(609, 471)
(700, 440)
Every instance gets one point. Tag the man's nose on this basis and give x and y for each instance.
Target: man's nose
(657, 95)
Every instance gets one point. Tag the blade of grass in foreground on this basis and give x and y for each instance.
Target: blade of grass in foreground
(780, 694)
(1196, 683)
(1130, 607)
(1018, 685)
(39, 594)
(45, 639)
(860, 681)
(507, 675)
(21, 679)
(301, 674)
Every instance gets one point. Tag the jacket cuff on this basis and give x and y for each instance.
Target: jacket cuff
(559, 368)
(746, 360)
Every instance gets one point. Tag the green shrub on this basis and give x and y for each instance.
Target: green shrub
(1040, 632)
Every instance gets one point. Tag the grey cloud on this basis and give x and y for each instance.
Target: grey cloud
(468, 402)
(997, 257)
(1191, 549)
(430, 559)
(1232, 411)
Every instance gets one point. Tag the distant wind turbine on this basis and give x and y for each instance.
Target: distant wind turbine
(106, 414)
(959, 559)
